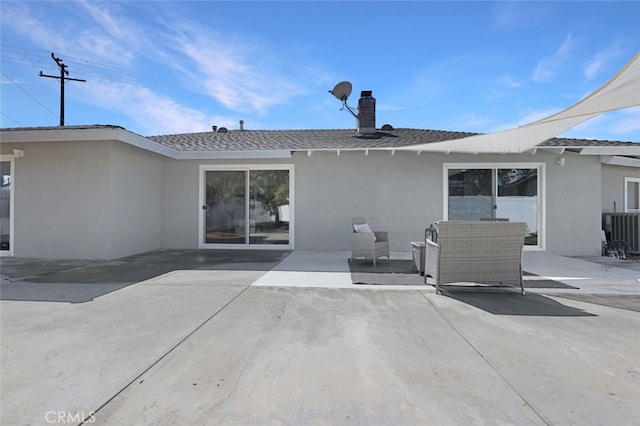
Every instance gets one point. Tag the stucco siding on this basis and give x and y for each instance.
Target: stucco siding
(399, 194)
(180, 207)
(574, 206)
(403, 194)
(62, 200)
(135, 200)
(613, 186)
(104, 200)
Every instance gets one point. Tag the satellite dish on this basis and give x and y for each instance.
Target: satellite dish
(342, 90)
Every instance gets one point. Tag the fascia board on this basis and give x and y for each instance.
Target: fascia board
(59, 135)
(232, 155)
(620, 161)
(610, 150)
(146, 144)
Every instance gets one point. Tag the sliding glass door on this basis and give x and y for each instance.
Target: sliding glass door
(6, 206)
(495, 192)
(247, 206)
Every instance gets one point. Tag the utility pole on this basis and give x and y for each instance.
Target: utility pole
(62, 78)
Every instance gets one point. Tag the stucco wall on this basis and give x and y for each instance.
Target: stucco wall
(135, 200)
(403, 194)
(107, 199)
(86, 200)
(180, 208)
(61, 200)
(613, 186)
(574, 219)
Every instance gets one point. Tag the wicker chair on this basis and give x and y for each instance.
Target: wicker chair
(368, 245)
(479, 252)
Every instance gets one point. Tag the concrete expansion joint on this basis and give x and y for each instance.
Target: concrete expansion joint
(487, 361)
(138, 378)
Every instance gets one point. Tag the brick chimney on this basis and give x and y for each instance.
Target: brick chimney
(366, 113)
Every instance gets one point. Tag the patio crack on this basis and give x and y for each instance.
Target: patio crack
(486, 360)
(163, 356)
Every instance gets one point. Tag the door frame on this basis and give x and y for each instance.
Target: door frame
(542, 193)
(11, 160)
(245, 168)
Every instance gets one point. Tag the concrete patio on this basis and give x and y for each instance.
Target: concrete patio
(261, 338)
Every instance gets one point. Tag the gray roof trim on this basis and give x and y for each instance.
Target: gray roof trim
(611, 150)
(230, 155)
(271, 144)
(615, 160)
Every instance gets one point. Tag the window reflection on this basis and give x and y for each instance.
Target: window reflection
(489, 194)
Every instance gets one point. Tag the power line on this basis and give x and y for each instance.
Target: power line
(108, 72)
(28, 94)
(14, 120)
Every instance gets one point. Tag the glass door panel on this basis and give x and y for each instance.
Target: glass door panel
(5, 206)
(225, 213)
(470, 194)
(496, 194)
(517, 199)
(269, 207)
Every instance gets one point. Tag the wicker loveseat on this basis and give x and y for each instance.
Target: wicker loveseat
(366, 243)
(476, 252)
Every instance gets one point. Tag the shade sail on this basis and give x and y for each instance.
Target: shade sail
(622, 91)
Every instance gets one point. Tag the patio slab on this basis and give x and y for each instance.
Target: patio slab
(245, 344)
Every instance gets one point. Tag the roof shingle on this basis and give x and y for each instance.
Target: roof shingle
(330, 139)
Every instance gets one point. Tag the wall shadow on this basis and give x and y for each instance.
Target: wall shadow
(78, 281)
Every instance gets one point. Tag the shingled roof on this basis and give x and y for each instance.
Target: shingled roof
(331, 139)
(186, 145)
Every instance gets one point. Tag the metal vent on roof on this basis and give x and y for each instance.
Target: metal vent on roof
(386, 127)
(221, 130)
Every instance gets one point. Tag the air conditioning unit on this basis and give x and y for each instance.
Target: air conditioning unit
(623, 226)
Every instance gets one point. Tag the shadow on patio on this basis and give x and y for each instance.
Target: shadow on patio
(513, 303)
(78, 281)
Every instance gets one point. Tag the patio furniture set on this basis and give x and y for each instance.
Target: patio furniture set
(482, 252)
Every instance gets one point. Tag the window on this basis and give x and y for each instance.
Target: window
(496, 192)
(632, 194)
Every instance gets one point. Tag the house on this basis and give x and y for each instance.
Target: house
(102, 192)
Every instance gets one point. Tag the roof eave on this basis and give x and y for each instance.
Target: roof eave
(232, 155)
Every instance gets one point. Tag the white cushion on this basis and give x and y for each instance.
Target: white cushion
(364, 228)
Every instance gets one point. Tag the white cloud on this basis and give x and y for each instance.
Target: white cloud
(519, 14)
(527, 119)
(474, 121)
(547, 68)
(600, 61)
(625, 124)
(20, 18)
(509, 82)
(153, 112)
(243, 75)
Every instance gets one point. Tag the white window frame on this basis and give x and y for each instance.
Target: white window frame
(627, 181)
(246, 168)
(542, 192)
(12, 172)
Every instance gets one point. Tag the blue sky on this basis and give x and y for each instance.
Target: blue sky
(160, 67)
